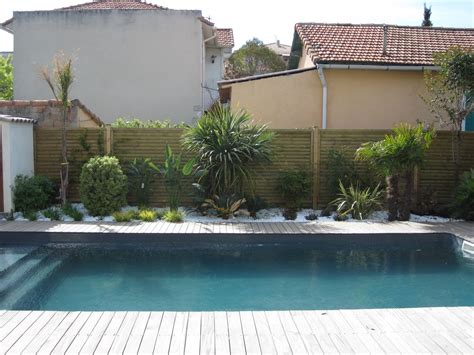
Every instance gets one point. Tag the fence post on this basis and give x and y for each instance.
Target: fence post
(108, 140)
(316, 160)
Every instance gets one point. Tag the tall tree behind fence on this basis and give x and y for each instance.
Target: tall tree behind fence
(306, 149)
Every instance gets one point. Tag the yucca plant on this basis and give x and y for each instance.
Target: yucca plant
(173, 172)
(140, 174)
(225, 205)
(396, 157)
(360, 203)
(226, 143)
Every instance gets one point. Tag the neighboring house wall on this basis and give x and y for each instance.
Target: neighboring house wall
(369, 99)
(213, 73)
(305, 61)
(292, 101)
(130, 63)
(47, 113)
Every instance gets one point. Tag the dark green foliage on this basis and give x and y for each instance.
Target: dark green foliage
(140, 174)
(255, 204)
(463, 204)
(253, 58)
(340, 169)
(32, 193)
(173, 174)
(340, 217)
(53, 214)
(311, 217)
(31, 215)
(198, 197)
(103, 186)
(357, 202)
(226, 144)
(6, 78)
(225, 205)
(294, 186)
(396, 157)
(137, 123)
(73, 212)
(426, 16)
(290, 213)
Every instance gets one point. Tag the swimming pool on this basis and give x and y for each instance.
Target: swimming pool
(236, 277)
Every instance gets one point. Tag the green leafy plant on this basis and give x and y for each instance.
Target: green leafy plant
(125, 216)
(226, 145)
(73, 212)
(32, 193)
(463, 203)
(340, 168)
(254, 204)
(31, 215)
(225, 206)
(6, 78)
(359, 203)
(311, 217)
(173, 174)
(52, 213)
(138, 123)
(140, 174)
(60, 82)
(173, 216)
(396, 157)
(103, 187)
(147, 215)
(294, 186)
(290, 213)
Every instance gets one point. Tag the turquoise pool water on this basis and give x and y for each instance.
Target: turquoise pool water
(250, 278)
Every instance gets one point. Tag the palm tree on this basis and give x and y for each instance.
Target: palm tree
(396, 157)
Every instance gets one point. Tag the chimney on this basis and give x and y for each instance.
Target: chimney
(278, 43)
(385, 39)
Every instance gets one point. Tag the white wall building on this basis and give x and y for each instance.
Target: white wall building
(131, 58)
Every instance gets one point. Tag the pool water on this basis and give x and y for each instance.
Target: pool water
(251, 278)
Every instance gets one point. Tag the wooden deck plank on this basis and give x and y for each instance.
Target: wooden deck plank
(94, 338)
(150, 334)
(111, 332)
(69, 335)
(84, 333)
(178, 338)
(54, 338)
(236, 337)
(35, 344)
(265, 338)
(120, 342)
(9, 326)
(207, 340)
(280, 339)
(222, 333)
(310, 341)
(8, 341)
(292, 334)
(251, 340)
(193, 333)
(136, 334)
(163, 341)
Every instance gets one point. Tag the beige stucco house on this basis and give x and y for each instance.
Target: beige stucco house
(131, 58)
(348, 76)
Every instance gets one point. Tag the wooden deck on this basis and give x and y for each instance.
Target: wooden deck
(464, 230)
(416, 330)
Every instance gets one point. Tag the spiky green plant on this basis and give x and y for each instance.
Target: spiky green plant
(225, 205)
(147, 215)
(173, 216)
(226, 144)
(396, 157)
(140, 174)
(359, 203)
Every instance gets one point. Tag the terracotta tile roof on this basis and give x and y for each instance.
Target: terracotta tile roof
(225, 37)
(364, 44)
(114, 4)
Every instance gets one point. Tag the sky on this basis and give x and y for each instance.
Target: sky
(272, 20)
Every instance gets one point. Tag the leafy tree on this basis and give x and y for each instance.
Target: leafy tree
(451, 92)
(6, 78)
(426, 16)
(396, 157)
(60, 82)
(253, 58)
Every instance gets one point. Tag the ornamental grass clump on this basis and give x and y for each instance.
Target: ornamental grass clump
(147, 215)
(227, 145)
(125, 216)
(103, 186)
(396, 157)
(173, 216)
(73, 212)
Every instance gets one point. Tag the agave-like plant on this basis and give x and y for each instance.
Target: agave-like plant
(396, 157)
(226, 143)
(225, 205)
(360, 203)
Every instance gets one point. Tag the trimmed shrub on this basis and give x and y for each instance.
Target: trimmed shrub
(294, 186)
(463, 204)
(32, 193)
(103, 187)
